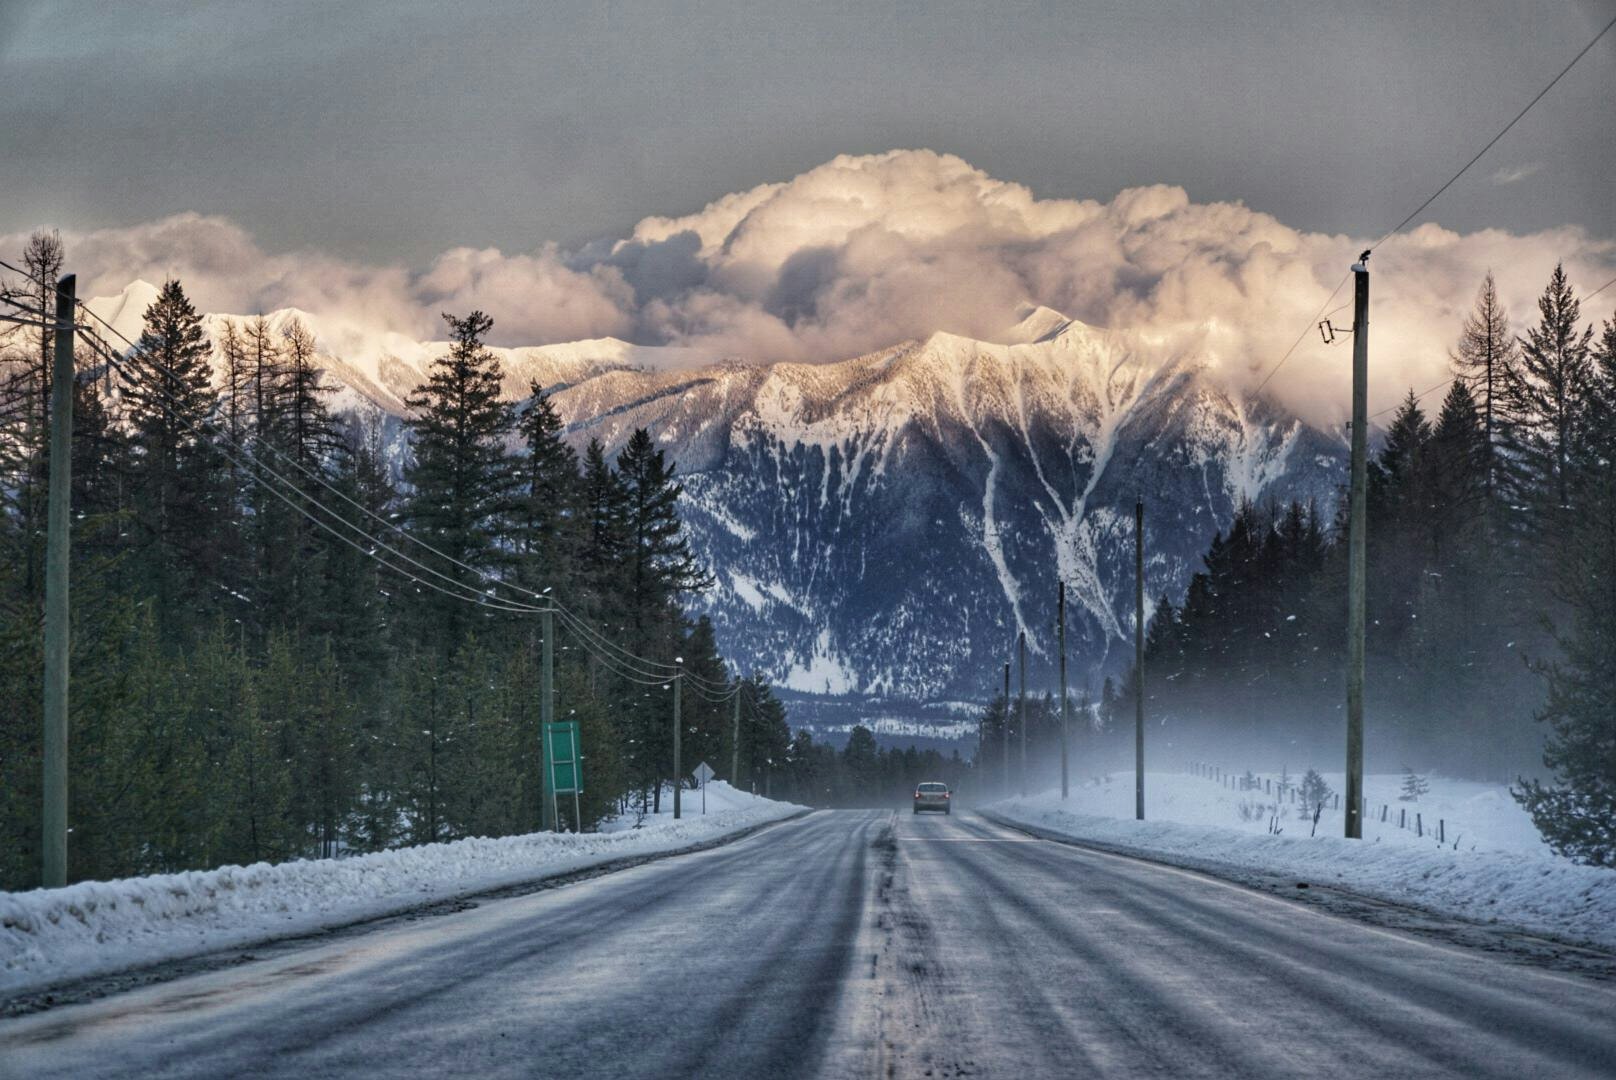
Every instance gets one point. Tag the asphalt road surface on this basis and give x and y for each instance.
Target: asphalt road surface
(856, 944)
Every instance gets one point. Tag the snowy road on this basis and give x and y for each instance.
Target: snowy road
(854, 944)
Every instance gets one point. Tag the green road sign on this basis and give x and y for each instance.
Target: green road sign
(564, 760)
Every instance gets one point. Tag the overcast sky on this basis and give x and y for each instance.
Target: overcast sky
(393, 131)
(821, 181)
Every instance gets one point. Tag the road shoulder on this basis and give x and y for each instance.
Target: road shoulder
(94, 987)
(1505, 942)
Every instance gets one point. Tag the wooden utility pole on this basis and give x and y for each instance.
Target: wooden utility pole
(1007, 728)
(1060, 634)
(678, 682)
(547, 814)
(1355, 546)
(1139, 658)
(1021, 651)
(58, 518)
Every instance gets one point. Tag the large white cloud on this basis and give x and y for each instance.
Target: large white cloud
(862, 252)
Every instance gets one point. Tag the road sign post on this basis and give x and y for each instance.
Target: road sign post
(704, 773)
(564, 765)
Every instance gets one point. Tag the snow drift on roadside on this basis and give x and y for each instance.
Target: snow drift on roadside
(1536, 892)
(49, 936)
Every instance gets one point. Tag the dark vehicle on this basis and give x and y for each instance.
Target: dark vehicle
(932, 796)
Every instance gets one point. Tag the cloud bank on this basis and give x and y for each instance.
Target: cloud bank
(863, 252)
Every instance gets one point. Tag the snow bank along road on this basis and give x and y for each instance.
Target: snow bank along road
(858, 944)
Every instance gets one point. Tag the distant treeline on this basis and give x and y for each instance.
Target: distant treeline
(250, 682)
(1491, 589)
(863, 773)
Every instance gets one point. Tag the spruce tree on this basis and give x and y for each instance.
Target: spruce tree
(1577, 812)
(546, 516)
(1485, 361)
(660, 563)
(181, 499)
(299, 439)
(461, 484)
(1549, 397)
(605, 530)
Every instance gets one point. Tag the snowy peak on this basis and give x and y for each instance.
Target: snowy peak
(886, 524)
(126, 312)
(1035, 323)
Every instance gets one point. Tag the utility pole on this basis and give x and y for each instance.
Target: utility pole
(678, 682)
(1355, 546)
(1021, 650)
(547, 814)
(1060, 634)
(56, 606)
(735, 741)
(1139, 657)
(1007, 728)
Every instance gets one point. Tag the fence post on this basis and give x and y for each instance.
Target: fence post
(1419, 824)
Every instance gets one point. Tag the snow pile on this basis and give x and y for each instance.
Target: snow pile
(1500, 879)
(50, 936)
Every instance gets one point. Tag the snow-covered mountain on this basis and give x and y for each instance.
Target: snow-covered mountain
(884, 526)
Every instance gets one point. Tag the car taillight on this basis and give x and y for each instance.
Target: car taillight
(946, 794)
(917, 794)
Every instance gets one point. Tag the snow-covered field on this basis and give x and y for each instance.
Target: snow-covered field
(49, 936)
(1493, 868)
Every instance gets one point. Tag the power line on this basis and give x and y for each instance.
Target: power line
(1505, 130)
(1429, 390)
(628, 657)
(1454, 378)
(224, 439)
(1306, 330)
(323, 482)
(603, 647)
(469, 596)
(1434, 196)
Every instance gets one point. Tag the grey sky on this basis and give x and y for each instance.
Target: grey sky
(391, 131)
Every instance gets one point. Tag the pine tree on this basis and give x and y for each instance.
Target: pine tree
(25, 394)
(298, 439)
(605, 531)
(462, 487)
(180, 497)
(1414, 785)
(1486, 361)
(546, 515)
(1314, 794)
(661, 566)
(1577, 813)
(1548, 402)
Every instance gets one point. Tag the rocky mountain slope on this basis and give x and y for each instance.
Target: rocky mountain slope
(885, 525)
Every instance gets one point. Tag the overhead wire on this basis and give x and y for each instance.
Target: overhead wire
(224, 439)
(621, 661)
(1418, 210)
(624, 663)
(468, 595)
(549, 602)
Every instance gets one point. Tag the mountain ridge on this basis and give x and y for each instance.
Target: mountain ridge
(886, 524)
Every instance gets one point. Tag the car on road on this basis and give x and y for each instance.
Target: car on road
(932, 796)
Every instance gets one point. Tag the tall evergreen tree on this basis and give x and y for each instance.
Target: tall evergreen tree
(180, 495)
(1486, 360)
(462, 486)
(1549, 397)
(546, 516)
(660, 563)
